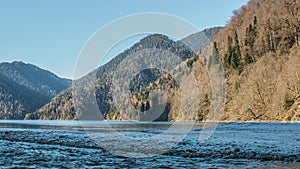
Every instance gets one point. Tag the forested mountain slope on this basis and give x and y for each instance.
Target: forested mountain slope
(62, 106)
(259, 51)
(24, 88)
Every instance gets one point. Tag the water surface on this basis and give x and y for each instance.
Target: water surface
(65, 144)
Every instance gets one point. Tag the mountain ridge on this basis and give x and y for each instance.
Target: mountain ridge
(32, 77)
(103, 74)
(25, 88)
(259, 50)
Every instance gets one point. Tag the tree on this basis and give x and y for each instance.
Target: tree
(255, 24)
(228, 54)
(251, 34)
(236, 56)
(248, 59)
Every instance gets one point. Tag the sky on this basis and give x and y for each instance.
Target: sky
(51, 33)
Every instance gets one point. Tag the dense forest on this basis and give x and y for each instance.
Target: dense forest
(260, 51)
(24, 88)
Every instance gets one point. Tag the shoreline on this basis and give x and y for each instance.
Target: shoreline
(7, 120)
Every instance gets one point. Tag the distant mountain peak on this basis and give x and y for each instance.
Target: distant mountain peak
(34, 78)
(201, 39)
(155, 37)
(153, 41)
(17, 62)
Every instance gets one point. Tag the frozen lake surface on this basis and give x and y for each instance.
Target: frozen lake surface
(64, 144)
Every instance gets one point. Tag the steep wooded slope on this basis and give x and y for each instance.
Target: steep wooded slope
(24, 88)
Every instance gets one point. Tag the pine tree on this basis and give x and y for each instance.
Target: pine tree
(255, 26)
(228, 55)
(251, 34)
(236, 56)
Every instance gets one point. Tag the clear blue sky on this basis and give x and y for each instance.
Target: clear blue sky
(51, 33)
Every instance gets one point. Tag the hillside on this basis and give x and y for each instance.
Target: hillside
(24, 88)
(34, 78)
(260, 51)
(60, 106)
(201, 39)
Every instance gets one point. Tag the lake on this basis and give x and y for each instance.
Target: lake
(94, 144)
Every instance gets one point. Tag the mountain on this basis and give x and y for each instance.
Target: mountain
(24, 88)
(34, 78)
(60, 107)
(259, 51)
(201, 39)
